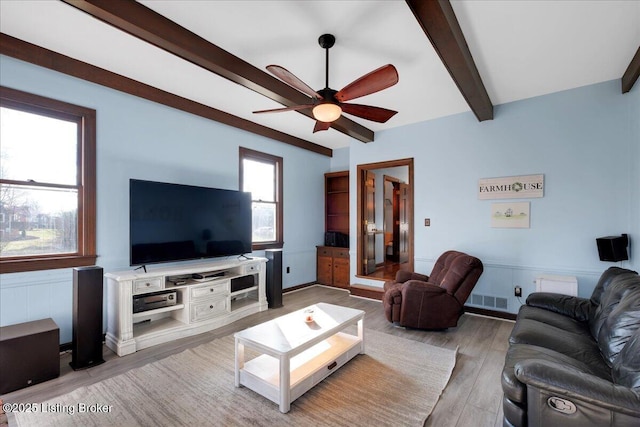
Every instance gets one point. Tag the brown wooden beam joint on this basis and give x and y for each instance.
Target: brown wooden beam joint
(439, 23)
(148, 25)
(632, 73)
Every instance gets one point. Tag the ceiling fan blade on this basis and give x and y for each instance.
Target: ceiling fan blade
(377, 80)
(287, 77)
(376, 114)
(280, 110)
(321, 126)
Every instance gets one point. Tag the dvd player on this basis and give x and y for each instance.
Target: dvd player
(209, 275)
(154, 300)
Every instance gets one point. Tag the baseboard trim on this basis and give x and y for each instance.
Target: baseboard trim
(364, 291)
(490, 313)
(298, 287)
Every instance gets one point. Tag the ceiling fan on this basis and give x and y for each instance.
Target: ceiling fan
(328, 104)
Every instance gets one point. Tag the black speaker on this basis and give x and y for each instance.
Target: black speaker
(613, 248)
(274, 277)
(87, 317)
(29, 354)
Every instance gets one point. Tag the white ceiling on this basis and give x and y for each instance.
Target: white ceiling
(522, 49)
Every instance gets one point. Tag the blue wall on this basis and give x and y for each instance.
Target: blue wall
(586, 143)
(141, 139)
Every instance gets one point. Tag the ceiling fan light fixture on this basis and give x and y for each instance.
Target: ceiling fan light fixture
(326, 112)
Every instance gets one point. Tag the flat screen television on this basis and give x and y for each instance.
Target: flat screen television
(174, 222)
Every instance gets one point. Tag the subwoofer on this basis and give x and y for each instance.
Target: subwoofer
(29, 354)
(87, 317)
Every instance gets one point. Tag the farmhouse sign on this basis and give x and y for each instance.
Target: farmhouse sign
(511, 187)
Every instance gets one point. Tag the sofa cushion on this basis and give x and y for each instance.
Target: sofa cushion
(626, 368)
(621, 285)
(575, 345)
(516, 391)
(554, 319)
(621, 324)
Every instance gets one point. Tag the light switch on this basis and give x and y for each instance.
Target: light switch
(427, 222)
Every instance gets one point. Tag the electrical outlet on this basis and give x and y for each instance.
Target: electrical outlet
(517, 291)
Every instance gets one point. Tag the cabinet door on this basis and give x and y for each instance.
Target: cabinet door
(325, 270)
(341, 272)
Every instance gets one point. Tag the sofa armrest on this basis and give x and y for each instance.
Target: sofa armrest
(403, 276)
(571, 383)
(391, 294)
(580, 309)
(414, 287)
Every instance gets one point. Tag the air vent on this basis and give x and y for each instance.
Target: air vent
(489, 301)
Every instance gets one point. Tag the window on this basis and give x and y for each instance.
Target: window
(261, 174)
(47, 183)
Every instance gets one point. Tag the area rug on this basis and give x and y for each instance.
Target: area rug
(396, 383)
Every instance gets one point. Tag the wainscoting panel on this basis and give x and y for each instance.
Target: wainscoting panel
(495, 289)
(38, 295)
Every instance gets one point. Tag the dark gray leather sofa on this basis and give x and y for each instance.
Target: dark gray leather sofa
(576, 361)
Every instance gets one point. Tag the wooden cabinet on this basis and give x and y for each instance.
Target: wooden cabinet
(333, 261)
(336, 186)
(333, 266)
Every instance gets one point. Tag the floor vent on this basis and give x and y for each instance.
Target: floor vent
(489, 301)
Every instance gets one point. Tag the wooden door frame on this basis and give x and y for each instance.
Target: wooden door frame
(360, 210)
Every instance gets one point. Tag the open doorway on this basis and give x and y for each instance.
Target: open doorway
(385, 218)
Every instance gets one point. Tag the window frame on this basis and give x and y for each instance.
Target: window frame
(85, 183)
(246, 153)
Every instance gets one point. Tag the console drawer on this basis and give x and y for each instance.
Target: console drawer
(341, 253)
(210, 290)
(142, 286)
(323, 251)
(251, 268)
(208, 309)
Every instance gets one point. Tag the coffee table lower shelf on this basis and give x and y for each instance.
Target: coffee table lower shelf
(262, 374)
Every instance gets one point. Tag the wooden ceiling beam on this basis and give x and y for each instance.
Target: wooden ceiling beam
(148, 25)
(439, 22)
(28, 52)
(631, 74)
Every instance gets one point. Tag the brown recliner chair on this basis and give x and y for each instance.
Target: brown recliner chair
(432, 302)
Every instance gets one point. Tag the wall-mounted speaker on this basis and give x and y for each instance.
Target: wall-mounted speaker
(613, 248)
(87, 317)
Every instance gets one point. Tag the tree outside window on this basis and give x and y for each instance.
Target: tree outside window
(47, 183)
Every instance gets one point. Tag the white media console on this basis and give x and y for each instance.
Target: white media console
(208, 295)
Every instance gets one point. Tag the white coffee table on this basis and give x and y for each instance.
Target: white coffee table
(296, 355)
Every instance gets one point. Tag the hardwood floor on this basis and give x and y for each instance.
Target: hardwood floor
(386, 271)
(473, 396)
